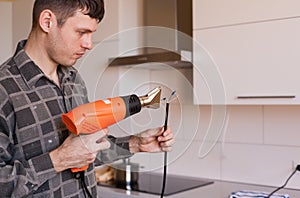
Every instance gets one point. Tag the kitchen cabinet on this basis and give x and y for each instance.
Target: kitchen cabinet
(213, 13)
(253, 63)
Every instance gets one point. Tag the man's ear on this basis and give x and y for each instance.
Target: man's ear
(46, 20)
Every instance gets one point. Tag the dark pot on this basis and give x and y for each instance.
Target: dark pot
(126, 174)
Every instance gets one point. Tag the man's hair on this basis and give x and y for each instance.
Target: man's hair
(63, 9)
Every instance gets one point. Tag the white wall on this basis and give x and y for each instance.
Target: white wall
(110, 23)
(121, 18)
(258, 145)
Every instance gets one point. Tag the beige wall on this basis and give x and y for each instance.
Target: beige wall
(15, 23)
(6, 31)
(22, 10)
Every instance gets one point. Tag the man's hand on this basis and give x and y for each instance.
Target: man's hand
(152, 140)
(78, 151)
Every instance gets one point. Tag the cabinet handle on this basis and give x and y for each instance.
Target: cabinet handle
(267, 97)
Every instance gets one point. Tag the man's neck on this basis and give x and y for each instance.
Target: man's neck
(38, 54)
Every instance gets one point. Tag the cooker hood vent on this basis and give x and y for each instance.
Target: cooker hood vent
(176, 17)
(166, 57)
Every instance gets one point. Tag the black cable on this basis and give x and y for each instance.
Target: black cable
(165, 154)
(281, 187)
(86, 191)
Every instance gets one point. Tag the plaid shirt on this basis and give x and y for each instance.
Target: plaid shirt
(31, 126)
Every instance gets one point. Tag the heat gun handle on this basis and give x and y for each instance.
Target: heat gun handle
(74, 170)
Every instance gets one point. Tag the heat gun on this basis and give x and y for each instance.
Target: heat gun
(92, 117)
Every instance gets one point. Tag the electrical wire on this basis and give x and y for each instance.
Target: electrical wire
(86, 192)
(165, 153)
(281, 187)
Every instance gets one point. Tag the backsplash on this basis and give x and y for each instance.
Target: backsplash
(258, 146)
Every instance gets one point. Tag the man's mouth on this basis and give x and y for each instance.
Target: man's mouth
(79, 55)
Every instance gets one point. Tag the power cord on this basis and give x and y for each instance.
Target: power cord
(166, 154)
(281, 187)
(86, 192)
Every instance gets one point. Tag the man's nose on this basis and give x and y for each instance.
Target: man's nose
(87, 42)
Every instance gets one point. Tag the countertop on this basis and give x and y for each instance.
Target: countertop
(219, 189)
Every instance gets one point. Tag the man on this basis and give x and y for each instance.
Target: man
(37, 85)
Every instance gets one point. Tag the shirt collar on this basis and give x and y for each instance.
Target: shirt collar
(31, 73)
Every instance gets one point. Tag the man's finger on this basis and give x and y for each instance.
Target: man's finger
(167, 135)
(167, 149)
(103, 144)
(167, 143)
(95, 147)
(94, 137)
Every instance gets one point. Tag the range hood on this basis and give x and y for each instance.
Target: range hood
(167, 57)
(174, 15)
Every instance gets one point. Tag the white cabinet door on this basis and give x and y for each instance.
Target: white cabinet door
(212, 13)
(255, 63)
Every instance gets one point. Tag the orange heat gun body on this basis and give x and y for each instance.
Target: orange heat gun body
(92, 117)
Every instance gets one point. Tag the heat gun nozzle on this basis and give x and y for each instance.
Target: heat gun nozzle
(151, 99)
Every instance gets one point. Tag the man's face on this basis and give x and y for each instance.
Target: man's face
(68, 43)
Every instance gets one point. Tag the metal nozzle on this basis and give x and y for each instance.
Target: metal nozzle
(152, 99)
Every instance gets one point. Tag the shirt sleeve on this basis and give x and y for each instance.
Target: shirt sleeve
(19, 177)
(119, 149)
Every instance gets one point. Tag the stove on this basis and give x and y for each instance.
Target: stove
(152, 183)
